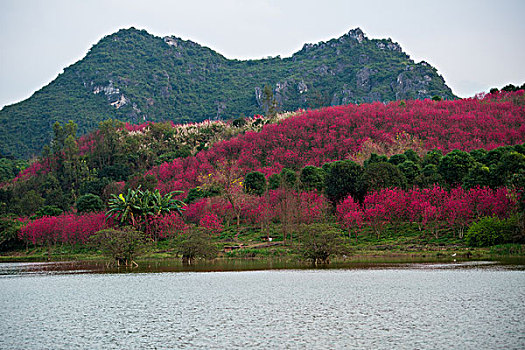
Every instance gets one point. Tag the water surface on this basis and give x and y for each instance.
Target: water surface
(414, 306)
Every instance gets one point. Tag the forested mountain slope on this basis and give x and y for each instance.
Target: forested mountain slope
(134, 76)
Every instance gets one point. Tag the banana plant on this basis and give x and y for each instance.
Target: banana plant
(124, 208)
(136, 205)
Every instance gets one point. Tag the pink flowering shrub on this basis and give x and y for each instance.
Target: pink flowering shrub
(66, 228)
(211, 223)
(165, 226)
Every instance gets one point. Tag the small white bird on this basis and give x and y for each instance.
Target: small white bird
(454, 254)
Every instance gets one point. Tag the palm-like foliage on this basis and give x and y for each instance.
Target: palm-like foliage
(136, 205)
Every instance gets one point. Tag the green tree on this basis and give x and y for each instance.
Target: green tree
(89, 203)
(6, 200)
(93, 185)
(255, 183)
(520, 148)
(122, 245)
(107, 145)
(312, 177)
(194, 194)
(479, 175)
(509, 88)
(429, 177)
(490, 231)
(381, 175)
(56, 197)
(274, 181)
(479, 154)
(432, 157)
(374, 158)
(146, 182)
(319, 242)
(511, 163)
(288, 178)
(29, 203)
(196, 244)
(59, 137)
(115, 172)
(412, 156)
(9, 229)
(493, 157)
(268, 101)
(397, 159)
(455, 166)
(48, 210)
(410, 170)
(7, 171)
(341, 180)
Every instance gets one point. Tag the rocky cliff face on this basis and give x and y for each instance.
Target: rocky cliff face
(134, 76)
(363, 70)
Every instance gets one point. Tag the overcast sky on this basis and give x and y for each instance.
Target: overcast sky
(474, 44)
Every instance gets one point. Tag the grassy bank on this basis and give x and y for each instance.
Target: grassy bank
(395, 243)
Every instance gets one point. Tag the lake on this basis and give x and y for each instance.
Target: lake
(478, 305)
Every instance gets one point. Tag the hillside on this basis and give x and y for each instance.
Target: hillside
(134, 76)
(180, 157)
(432, 169)
(354, 132)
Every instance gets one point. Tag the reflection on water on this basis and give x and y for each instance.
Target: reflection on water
(175, 265)
(467, 305)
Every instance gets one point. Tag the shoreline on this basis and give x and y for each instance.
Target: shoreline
(372, 256)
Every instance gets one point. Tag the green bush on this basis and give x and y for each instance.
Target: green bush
(312, 178)
(274, 181)
(9, 229)
(48, 210)
(122, 245)
(255, 183)
(490, 231)
(318, 242)
(89, 203)
(196, 244)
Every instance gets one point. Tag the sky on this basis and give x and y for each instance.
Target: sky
(474, 44)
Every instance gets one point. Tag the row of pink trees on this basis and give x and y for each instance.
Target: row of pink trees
(429, 208)
(77, 229)
(286, 206)
(66, 228)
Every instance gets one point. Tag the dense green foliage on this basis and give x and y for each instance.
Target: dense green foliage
(9, 168)
(508, 88)
(455, 166)
(134, 76)
(491, 231)
(48, 210)
(255, 183)
(342, 179)
(312, 177)
(9, 229)
(381, 175)
(89, 203)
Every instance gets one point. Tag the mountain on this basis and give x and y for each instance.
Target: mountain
(134, 76)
